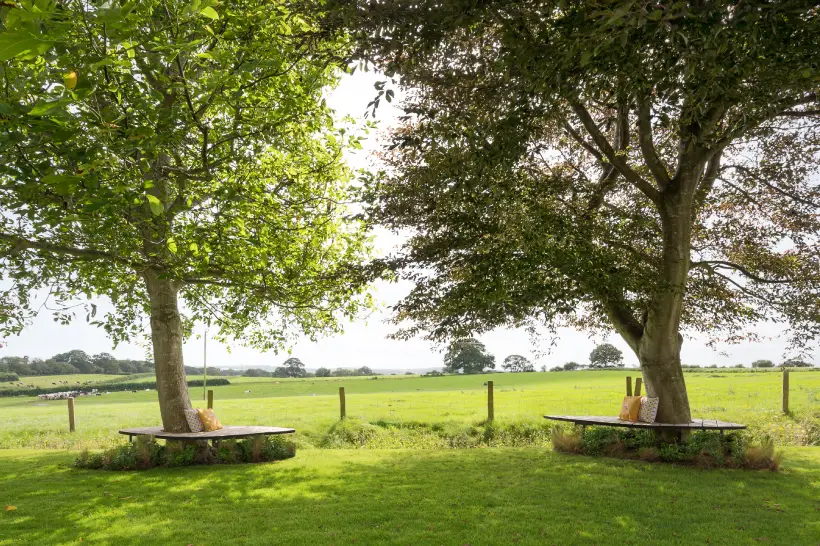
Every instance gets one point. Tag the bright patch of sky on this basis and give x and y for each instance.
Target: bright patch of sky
(364, 341)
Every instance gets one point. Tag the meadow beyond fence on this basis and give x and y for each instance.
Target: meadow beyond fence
(395, 411)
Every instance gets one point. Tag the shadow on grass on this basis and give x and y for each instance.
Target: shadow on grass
(480, 496)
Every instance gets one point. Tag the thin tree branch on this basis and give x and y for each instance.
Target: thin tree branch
(645, 138)
(739, 268)
(609, 152)
(85, 254)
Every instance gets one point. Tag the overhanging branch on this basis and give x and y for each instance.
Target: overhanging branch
(84, 254)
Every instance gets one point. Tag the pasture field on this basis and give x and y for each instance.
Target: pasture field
(396, 404)
(72, 381)
(411, 496)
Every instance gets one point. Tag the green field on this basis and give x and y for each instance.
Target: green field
(71, 381)
(452, 402)
(467, 496)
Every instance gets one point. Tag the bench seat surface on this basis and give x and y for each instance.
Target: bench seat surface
(697, 424)
(223, 433)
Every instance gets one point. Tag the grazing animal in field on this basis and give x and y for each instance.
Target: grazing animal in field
(247, 392)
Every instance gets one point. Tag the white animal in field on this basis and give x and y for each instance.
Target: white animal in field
(247, 392)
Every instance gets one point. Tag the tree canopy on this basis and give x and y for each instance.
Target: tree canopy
(517, 363)
(763, 364)
(647, 168)
(292, 367)
(151, 151)
(467, 356)
(606, 355)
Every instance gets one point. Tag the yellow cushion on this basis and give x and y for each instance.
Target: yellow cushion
(210, 422)
(630, 408)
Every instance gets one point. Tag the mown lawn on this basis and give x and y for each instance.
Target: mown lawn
(479, 496)
(312, 405)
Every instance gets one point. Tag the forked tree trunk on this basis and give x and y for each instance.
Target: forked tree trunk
(658, 344)
(167, 338)
(659, 347)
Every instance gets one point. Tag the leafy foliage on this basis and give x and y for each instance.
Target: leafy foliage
(467, 356)
(647, 168)
(323, 372)
(762, 364)
(147, 453)
(187, 140)
(517, 363)
(795, 363)
(703, 448)
(605, 356)
(292, 367)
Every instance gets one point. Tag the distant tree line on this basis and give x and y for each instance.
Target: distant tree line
(211, 371)
(73, 362)
(293, 367)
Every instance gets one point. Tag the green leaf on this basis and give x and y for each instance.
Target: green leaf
(16, 45)
(45, 108)
(210, 13)
(155, 204)
(172, 245)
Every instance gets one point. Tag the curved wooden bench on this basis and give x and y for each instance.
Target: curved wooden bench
(695, 424)
(225, 433)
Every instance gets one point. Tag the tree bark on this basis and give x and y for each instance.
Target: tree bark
(167, 338)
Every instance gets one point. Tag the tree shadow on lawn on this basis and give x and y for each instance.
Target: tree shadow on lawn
(479, 496)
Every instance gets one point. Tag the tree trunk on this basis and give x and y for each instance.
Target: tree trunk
(167, 337)
(663, 378)
(658, 348)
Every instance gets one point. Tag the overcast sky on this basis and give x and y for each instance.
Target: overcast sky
(364, 342)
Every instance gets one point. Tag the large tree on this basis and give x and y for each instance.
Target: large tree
(517, 363)
(173, 153)
(639, 166)
(467, 355)
(606, 355)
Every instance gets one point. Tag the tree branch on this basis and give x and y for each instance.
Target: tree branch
(708, 180)
(647, 143)
(617, 160)
(84, 254)
(730, 265)
(609, 176)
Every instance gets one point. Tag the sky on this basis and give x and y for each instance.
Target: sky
(364, 341)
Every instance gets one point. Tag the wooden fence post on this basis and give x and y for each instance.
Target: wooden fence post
(629, 385)
(342, 409)
(210, 399)
(71, 414)
(785, 391)
(638, 386)
(490, 402)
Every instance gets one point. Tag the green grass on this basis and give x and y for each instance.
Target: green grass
(72, 380)
(312, 407)
(481, 496)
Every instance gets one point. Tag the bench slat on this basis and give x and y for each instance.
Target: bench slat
(224, 433)
(705, 424)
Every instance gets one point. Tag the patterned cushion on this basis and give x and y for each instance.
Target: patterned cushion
(194, 423)
(209, 420)
(629, 408)
(649, 409)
